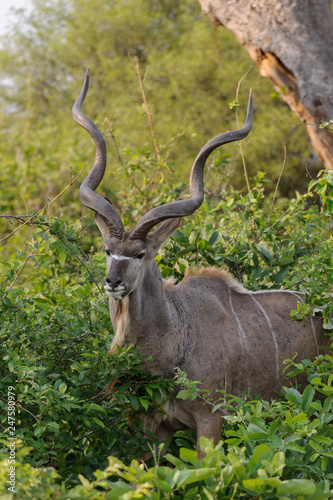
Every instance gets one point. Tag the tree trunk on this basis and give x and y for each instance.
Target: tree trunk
(292, 43)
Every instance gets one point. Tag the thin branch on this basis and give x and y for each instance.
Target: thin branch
(136, 65)
(240, 143)
(19, 218)
(278, 181)
(113, 137)
(91, 263)
(47, 224)
(71, 345)
(119, 158)
(24, 264)
(42, 209)
(22, 408)
(80, 260)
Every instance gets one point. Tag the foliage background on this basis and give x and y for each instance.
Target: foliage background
(191, 68)
(55, 328)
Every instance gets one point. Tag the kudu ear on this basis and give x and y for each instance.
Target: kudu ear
(162, 233)
(102, 226)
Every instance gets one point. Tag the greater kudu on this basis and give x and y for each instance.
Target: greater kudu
(208, 325)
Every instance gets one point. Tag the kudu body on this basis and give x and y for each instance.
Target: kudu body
(208, 325)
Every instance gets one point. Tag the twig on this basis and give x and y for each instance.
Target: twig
(113, 137)
(145, 102)
(119, 158)
(22, 408)
(20, 218)
(24, 264)
(41, 210)
(150, 123)
(47, 224)
(91, 262)
(240, 143)
(80, 260)
(103, 392)
(278, 181)
(71, 345)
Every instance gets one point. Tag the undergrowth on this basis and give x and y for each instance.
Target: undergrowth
(76, 405)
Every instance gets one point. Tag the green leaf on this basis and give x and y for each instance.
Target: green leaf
(278, 461)
(168, 475)
(214, 237)
(293, 395)
(39, 430)
(144, 403)
(176, 462)
(260, 452)
(184, 394)
(316, 446)
(134, 402)
(329, 205)
(7, 301)
(227, 474)
(284, 261)
(264, 252)
(62, 256)
(189, 456)
(295, 447)
(297, 486)
(98, 422)
(256, 485)
(53, 426)
(62, 388)
(63, 282)
(117, 492)
(189, 476)
(300, 418)
(308, 395)
(162, 485)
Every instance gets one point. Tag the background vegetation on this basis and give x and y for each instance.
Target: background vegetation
(191, 72)
(75, 404)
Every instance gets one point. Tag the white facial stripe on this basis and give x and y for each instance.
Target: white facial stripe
(121, 257)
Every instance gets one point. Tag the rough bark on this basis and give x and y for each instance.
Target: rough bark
(292, 43)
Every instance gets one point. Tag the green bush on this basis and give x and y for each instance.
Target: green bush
(55, 335)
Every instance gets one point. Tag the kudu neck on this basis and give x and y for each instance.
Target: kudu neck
(145, 308)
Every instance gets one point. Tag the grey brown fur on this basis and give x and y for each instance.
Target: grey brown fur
(208, 325)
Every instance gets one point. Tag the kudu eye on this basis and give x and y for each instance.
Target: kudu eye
(107, 252)
(140, 256)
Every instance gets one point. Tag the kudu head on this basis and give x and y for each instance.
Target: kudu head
(129, 252)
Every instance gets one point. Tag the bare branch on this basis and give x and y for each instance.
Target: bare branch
(240, 142)
(42, 209)
(24, 264)
(136, 65)
(278, 181)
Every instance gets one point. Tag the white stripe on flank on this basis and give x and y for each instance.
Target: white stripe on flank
(273, 336)
(311, 320)
(242, 336)
(274, 291)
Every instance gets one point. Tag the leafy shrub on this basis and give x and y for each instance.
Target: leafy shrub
(55, 334)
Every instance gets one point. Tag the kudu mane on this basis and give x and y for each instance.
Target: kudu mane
(215, 273)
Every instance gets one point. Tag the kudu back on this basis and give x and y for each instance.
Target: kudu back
(208, 325)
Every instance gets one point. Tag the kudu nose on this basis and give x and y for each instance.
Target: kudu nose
(113, 282)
